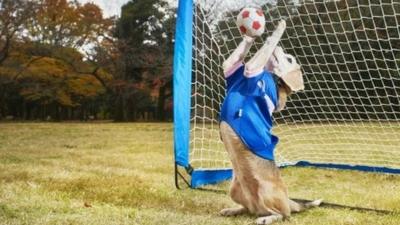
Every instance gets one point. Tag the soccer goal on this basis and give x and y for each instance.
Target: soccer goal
(348, 116)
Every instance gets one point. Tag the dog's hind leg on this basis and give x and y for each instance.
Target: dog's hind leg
(233, 211)
(236, 194)
(264, 220)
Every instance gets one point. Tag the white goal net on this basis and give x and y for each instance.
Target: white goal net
(350, 56)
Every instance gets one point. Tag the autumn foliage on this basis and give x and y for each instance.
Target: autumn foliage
(63, 60)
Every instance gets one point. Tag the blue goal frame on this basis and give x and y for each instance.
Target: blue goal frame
(182, 77)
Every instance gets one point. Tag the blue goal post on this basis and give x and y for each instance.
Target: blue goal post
(182, 81)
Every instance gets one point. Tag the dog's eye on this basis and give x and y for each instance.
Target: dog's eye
(289, 59)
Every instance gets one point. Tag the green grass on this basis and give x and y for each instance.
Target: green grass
(104, 173)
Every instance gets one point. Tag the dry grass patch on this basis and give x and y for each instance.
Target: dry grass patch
(76, 173)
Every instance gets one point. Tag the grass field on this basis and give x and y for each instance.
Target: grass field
(106, 173)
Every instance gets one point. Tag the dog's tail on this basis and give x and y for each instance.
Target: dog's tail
(296, 207)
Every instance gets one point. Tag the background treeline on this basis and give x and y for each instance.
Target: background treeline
(63, 60)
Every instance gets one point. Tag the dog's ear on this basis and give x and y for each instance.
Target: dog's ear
(284, 92)
(294, 79)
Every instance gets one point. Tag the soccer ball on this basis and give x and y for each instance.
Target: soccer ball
(251, 22)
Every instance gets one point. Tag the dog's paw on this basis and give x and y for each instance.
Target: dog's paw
(315, 203)
(265, 220)
(232, 211)
(282, 25)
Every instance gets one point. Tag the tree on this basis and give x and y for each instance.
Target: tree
(13, 15)
(47, 84)
(67, 23)
(64, 59)
(144, 41)
(44, 67)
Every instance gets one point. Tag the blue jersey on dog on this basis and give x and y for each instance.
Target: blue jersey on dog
(247, 109)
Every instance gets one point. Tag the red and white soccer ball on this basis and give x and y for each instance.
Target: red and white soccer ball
(251, 22)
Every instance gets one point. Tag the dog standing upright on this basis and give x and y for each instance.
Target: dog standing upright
(246, 122)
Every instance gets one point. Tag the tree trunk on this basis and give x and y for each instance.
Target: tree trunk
(119, 112)
(161, 103)
(162, 97)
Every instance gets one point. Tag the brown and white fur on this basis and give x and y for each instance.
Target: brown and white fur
(257, 184)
